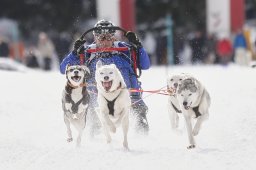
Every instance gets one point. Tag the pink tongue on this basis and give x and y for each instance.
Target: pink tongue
(107, 85)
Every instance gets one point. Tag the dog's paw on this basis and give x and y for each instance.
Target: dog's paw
(191, 146)
(69, 139)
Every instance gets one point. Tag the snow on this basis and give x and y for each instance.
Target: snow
(33, 133)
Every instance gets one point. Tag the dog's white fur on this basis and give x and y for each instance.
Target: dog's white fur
(189, 96)
(173, 82)
(111, 87)
(75, 100)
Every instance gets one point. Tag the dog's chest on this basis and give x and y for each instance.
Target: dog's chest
(76, 94)
(74, 101)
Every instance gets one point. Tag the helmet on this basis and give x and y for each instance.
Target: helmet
(104, 27)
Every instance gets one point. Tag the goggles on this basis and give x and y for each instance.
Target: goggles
(102, 37)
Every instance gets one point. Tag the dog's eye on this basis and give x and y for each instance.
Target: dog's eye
(171, 79)
(180, 79)
(182, 95)
(71, 70)
(79, 69)
(111, 72)
(101, 73)
(190, 94)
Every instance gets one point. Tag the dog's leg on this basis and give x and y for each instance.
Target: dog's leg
(110, 124)
(80, 125)
(172, 116)
(106, 131)
(203, 108)
(69, 139)
(177, 120)
(125, 126)
(189, 130)
(198, 124)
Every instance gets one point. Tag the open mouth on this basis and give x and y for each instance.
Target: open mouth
(76, 78)
(186, 107)
(107, 85)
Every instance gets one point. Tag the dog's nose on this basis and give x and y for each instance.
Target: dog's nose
(175, 85)
(185, 103)
(106, 78)
(76, 72)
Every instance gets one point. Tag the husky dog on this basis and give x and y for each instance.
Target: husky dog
(113, 99)
(173, 82)
(75, 100)
(194, 101)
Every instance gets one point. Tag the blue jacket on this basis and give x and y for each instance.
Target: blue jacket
(122, 59)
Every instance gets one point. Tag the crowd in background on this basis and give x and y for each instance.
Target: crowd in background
(188, 49)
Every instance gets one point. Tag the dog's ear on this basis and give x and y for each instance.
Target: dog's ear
(99, 64)
(113, 65)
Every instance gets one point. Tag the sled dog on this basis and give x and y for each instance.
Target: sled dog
(75, 100)
(113, 100)
(194, 101)
(174, 110)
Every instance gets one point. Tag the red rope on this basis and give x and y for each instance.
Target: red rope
(111, 49)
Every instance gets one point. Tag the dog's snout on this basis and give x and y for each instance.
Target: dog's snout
(175, 85)
(185, 103)
(106, 78)
(76, 72)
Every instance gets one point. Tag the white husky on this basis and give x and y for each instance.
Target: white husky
(113, 99)
(194, 101)
(75, 100)
(173, 82)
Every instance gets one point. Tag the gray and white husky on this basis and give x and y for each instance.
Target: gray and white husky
(113, 99)
(194, 101)
(75, 100)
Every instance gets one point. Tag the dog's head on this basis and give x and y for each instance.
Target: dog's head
(173, 82)
(77, 74)
(188, 92)
(108, 77)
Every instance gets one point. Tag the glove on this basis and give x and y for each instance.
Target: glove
(78, 43)
(132, 37)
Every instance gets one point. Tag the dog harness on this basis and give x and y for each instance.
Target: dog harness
(112, 103)
(195, 109)
(175, 108)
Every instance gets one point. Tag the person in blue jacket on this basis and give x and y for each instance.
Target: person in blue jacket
(104, 37)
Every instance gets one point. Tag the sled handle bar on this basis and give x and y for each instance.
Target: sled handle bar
(97, 28)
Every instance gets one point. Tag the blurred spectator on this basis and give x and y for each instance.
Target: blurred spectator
(224, 50)
(240, 49)
(210, 47)
(197, 44)
(46, 49)
(4, 47)
(150, 45)
(31, 57)
(185, 54)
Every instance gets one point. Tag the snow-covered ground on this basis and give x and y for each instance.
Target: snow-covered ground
(33, 134)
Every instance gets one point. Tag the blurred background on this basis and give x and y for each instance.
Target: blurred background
(39, 33)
